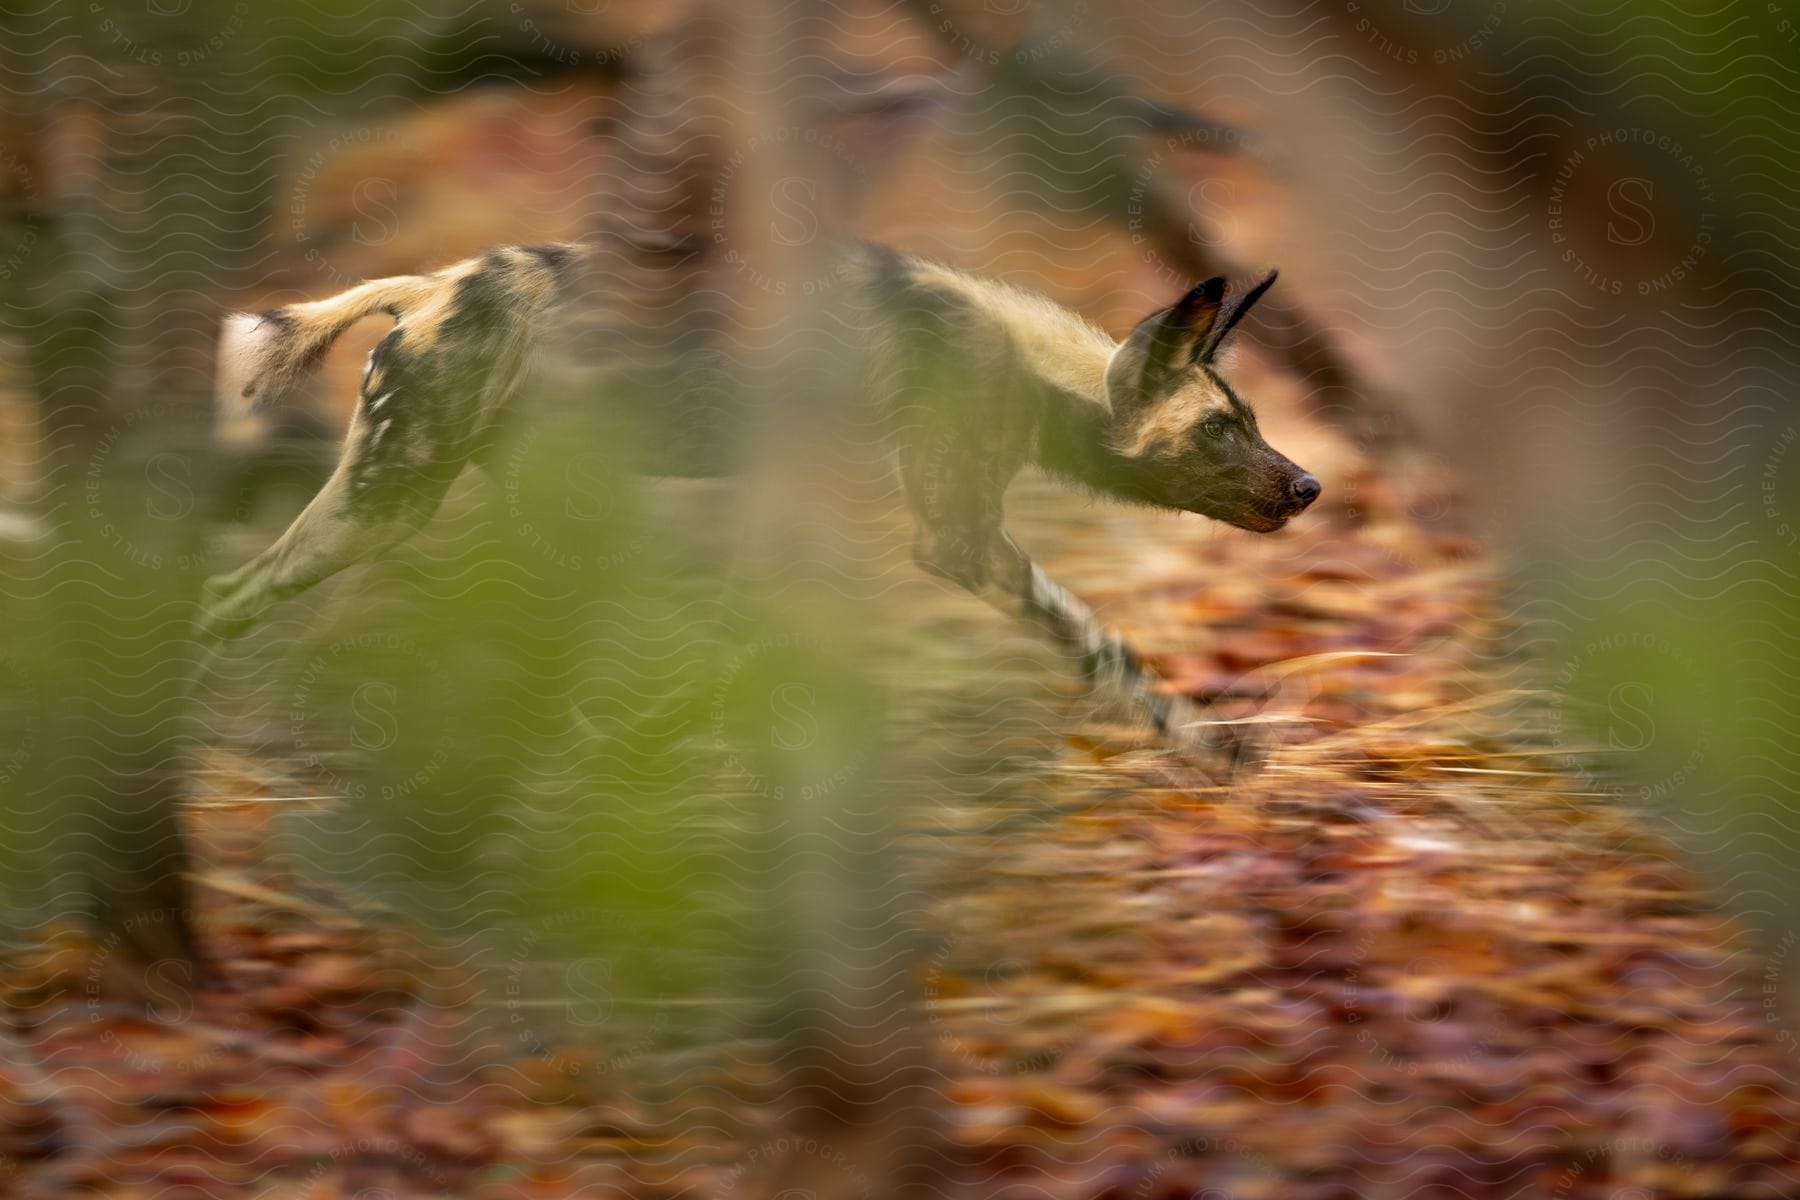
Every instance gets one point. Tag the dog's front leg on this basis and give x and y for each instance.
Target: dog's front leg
(1020, 588)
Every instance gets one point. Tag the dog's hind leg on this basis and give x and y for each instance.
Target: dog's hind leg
(352, 519)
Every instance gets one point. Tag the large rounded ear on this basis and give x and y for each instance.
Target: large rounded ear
(1234, 312)
(1162, 346)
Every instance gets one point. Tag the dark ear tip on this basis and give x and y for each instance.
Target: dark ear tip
(1202, 296)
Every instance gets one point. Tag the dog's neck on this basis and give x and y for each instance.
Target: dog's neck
(1064, 361)
(1075, 435)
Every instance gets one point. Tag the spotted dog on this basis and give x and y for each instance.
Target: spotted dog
(975, 379)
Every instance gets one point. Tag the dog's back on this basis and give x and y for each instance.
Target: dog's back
(469, 320)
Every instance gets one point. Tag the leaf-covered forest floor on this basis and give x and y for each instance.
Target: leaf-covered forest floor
(1408, 952)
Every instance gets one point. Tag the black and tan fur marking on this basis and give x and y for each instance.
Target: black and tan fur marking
(974, 379)
(431, 393)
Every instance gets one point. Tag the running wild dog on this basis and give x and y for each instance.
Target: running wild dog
(974, 379)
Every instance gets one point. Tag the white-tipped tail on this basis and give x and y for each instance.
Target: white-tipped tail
(262, 356)
(245, 345)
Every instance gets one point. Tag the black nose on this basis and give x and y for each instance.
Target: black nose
(1305, 490)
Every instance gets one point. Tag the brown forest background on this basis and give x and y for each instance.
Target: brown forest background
(1533, 298)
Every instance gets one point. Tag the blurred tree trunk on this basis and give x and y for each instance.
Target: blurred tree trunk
(838, 994)
(116, 304)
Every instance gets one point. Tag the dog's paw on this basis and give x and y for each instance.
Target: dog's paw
(961, 562)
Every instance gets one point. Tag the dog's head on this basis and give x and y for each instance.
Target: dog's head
(1190, 441)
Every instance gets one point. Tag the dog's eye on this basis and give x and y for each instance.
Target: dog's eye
(1214, 426)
